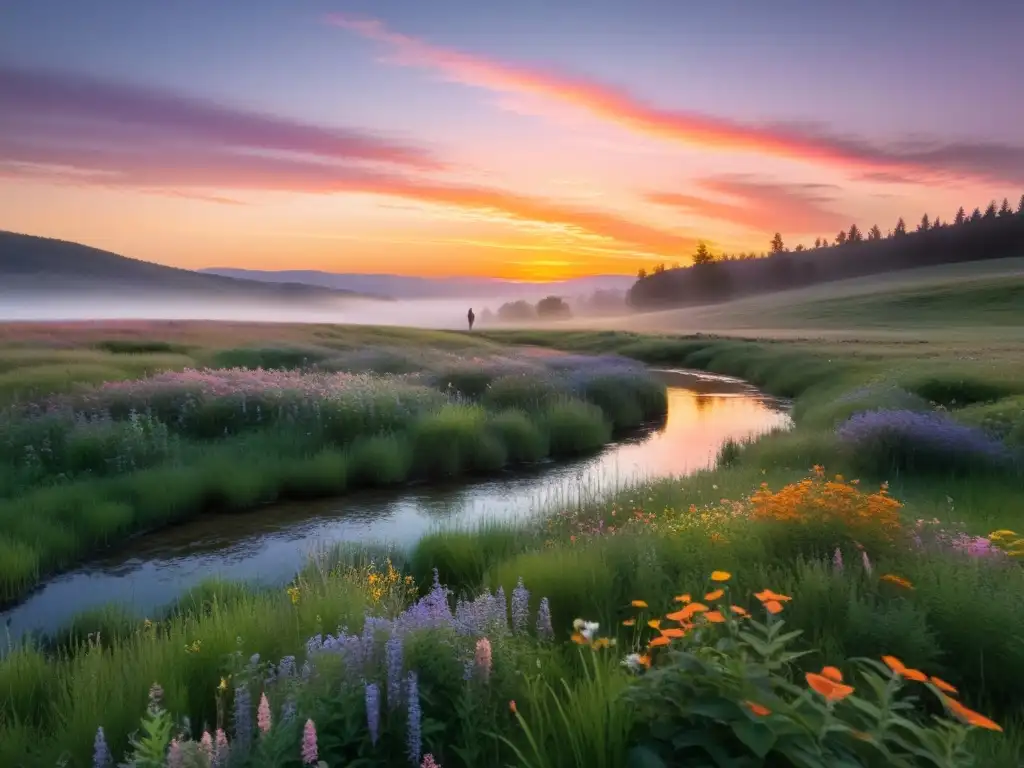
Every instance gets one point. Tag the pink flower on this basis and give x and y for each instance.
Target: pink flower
(174, 757)
(309, 753)
(263, 714)
(429, 762)
(221, 751)
(483, 658)
(206, 745)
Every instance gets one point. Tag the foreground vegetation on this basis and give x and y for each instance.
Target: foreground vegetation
(88, 466)
(759, 614)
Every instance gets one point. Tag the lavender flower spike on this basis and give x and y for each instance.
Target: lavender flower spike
(520, 607)
(243, 719)
(373, 711)
(414, 720)
(101, 757)
(393, 654)
(544, 629)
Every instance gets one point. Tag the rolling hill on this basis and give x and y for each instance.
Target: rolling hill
(32, 266)
(406, 287)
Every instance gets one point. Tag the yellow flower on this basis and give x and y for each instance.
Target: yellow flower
(639, 604)
(654, 623)
(720, 575)
(899, 581)
(223, 684)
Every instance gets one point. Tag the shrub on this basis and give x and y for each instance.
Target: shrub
(523, 440)
(908, 441)
(574, 428)
(454, 440)
(528, 392)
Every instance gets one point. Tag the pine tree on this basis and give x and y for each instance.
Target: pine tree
(1020, 206)
(854, 236)
(961, 216)
(990, 212)
(777, 245)
(1004, 209)
(901, 228)
(641, 273)
(817, 240)
(924, 226)
(874, 233)
(702, 255)
(841, 237)
(976, 215)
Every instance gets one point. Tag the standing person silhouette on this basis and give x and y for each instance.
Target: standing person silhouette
(471, 317)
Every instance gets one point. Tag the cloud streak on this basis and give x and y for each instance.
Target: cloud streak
(761, 206)
(920, 159)
(62, 107)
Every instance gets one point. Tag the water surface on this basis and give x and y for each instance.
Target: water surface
(268, 545)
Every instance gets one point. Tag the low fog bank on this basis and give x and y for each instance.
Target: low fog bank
(440, 314)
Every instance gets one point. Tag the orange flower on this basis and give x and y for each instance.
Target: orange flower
(645, 660)
(739, 611)
(773, 606)
(715, 617)
(662, 640)
(512, 706)
(833, 674)
(629, 622)
(942, 685)
(899, 581)
(720, 575)
(757, 709)
(672, 632)
(894, 664)
(969, 716)
(639, 604)
(684, 598)
(579, 639)
(654, 623)
(767, 595)
(899, 668)
(714, 595)
(677, 616)
(832, 691)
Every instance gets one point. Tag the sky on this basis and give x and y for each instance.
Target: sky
(528, 140)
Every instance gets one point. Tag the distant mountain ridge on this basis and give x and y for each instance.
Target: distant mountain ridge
(30, 264)
(408, 287)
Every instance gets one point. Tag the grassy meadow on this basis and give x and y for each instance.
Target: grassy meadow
(849, 593)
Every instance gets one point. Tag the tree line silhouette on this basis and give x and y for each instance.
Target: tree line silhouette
(997, 232)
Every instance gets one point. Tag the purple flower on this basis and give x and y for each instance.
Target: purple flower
(837, 560)
(309, 751)
(520, 607)
(429, 762)
(393, 653)
(544, 629)
(373, 711)
(101, 757)
(243, 718)
(499, 612)
(414, 720)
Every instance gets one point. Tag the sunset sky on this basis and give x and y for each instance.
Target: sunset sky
(529, 140)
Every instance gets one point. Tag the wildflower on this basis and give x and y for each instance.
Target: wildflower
(899, 581)
(156, 695)
(429, 762)
(174, 757)
(661, 640)
(206, 746)
(603, 642)
(393, 656)
(720, 575)
(101, 757)
(372, 695)
(772, 606)
(904, 671)
(263, 714)
(833, 674)
(969, 716)
(309, 750)
(654, 623)
(837, 560)
(589, 629)
(520, 607)
(293, 594)
(243, 717)
(757, 709)
(629, 623)
(544, 629)
(414, 719)
(942, 685)
(672, 632)
(512, 707)
(832, 691)
(635, 662)
(639, 604)
(483, 658)
(768, 594)
(866, 561)
(223, 685)
(682, 598)
(686, 613)
(714, 595)
(221, 751)
(738, 610)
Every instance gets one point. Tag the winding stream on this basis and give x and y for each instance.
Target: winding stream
(268, 545)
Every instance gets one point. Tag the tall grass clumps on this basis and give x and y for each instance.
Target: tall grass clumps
(82, 469)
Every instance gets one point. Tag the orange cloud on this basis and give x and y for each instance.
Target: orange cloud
(761, 206)
(921, 160)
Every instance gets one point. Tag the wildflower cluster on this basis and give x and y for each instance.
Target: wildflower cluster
(382, 581)
(1009, 542)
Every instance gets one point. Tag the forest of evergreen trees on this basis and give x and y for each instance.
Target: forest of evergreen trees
(995, 233)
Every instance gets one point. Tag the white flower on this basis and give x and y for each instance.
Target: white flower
(633, 662)
(589, 630)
